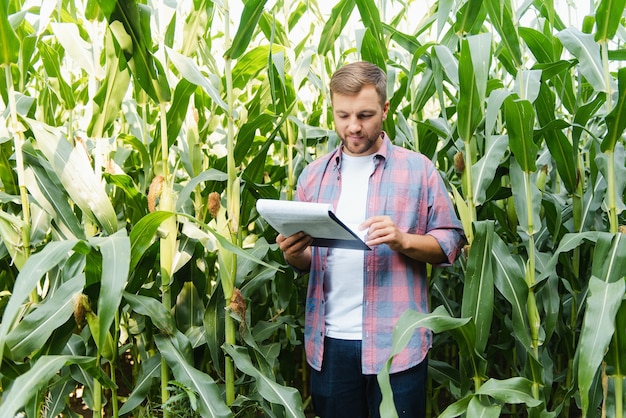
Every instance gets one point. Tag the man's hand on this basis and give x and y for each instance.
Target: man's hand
(383, 230)
(296, 249)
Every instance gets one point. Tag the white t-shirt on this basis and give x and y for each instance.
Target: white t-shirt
(343, 283)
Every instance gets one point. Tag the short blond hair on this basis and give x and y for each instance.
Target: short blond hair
(350, 79)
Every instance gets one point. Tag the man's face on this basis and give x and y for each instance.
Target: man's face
(359, 121)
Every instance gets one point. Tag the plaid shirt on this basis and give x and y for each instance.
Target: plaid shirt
(406, 186)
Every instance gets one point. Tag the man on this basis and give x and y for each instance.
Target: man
(398, 200)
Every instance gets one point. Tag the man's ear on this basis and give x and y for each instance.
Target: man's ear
(385, 110)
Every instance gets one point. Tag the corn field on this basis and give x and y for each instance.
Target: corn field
(137, 279)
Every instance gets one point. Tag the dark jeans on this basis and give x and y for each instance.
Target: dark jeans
(341, 390)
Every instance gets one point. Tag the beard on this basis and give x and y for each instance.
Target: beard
(361, 144)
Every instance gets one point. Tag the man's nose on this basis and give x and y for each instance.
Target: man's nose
(354, 125)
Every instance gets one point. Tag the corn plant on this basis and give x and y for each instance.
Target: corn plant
(136, 137)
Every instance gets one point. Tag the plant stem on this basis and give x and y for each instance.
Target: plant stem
(113, 361)
(618, 384)
(18, 139)
(533, 313)
(290, 147)
(167, 241)
(232, 199)
(97, 392)
(469, 191)
(613, 225)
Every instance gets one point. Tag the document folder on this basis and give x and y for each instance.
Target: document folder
(315, 219)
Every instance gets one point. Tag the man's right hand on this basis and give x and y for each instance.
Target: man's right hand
(296, 249)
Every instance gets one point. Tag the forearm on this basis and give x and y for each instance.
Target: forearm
(423, 248)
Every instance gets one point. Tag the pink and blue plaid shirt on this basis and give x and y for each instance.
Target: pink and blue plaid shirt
(406, 186)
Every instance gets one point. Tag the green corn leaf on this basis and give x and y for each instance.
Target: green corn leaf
(494, 106)
(135, 199)
(368, 46)
(210, 399)
(333, 27)
(598, 327)
(11, 228)
(443, 12)
(567, 244)
(190, 71)
(46, 189)
(9, 42)
(148, 373)
(214, 325)
(470, 16)
(583, 114)
(33, 331)
(587, 51)
(480, 51)
(197, 24)
(7, 176)
(457, 408)
(527, 84)
(80, 51)
(150, 307)
(176, 115)
(207, 175)
(484, 170)
(616, 120)
(227, 247)
(609, 261)
(273, 29)
(616, 357)
(107, 348)
(515, 390)
(75, 172)
(478, 290)
(510, 282)
(273, 392)
(593, 201)
(539, 44)
(250, 16)
(143, 234)
(608, 16)
(523, 188)
(252, 63)
(480, 407)
(408, 42)
(448, 62)
(35, 267)
(59, 394)
(130, 21)
(469, 108)
(51, 60)
(501, 14)
(618, 175)
(108, 100)
(438, 321)
(520, 118)
(560, 148)
(370, 16)
(105, 6)
(28, 384)
(115, 252)
(189, 307)
(424, 92)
